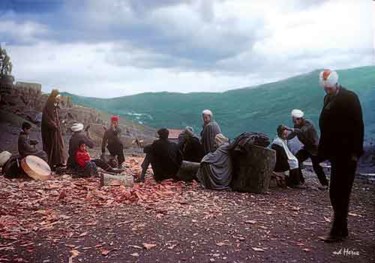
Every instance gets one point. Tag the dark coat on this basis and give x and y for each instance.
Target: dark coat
(307, 135)
(341, 125)
(53, 143)
(166, 159)
(191, 148)
(26, 147)
(112, 141)
(208, 136)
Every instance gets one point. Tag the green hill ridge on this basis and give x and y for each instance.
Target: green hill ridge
(259, 108)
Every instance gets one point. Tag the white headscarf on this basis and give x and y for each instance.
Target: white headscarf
(207, 112)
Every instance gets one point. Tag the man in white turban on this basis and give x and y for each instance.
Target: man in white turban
(306, 133)
(209, 131)
(341, 142)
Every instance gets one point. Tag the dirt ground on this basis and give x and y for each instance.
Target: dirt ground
(73, 220)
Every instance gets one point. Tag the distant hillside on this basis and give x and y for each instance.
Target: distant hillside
(259, 108)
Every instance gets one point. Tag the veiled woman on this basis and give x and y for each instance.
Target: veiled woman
(215, 171)
(53, 143)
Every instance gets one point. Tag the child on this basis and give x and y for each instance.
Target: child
(83, 160)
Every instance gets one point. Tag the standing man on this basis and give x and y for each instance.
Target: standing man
(112, 141)
(341, 142)
(209, 131)
(53, 143)
(306, 133)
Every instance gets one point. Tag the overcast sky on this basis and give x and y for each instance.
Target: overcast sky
(121, 47)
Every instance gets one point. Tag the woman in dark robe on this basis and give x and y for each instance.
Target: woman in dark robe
(53, 143)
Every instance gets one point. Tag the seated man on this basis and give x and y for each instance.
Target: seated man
(165, 156)
(87, 165)
(190, 146)
(216, 167)
(28, 147)
(285, 160)
(112, 141)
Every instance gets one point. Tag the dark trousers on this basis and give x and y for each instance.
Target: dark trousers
(117, 150)
(102, 164)
(342, 176)
(302, 155)
(146, 162)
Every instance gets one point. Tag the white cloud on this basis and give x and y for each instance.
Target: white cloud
(24, 32)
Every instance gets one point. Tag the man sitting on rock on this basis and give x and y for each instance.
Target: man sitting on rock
(28, 147)
(112, 141)
(285, 160)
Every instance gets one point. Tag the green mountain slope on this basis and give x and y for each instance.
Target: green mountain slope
(259, 108)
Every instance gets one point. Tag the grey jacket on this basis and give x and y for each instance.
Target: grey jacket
(307, 135)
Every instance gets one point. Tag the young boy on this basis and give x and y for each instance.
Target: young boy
(26, 146)
(88, 165)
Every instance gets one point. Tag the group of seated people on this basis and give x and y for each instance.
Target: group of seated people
(211, 151)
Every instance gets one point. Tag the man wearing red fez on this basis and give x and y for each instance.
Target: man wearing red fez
(112, 141)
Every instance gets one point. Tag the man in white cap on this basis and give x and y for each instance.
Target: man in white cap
(209, 131)
(341, 142)
(306, 133)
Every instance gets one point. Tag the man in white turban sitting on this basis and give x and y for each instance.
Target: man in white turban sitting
(216, 167)
(209, 131)
(285, 160)
(306, 133)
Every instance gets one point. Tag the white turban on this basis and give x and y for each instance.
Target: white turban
(207, 112)
(328, 78)
(296, 113)
(76, 127)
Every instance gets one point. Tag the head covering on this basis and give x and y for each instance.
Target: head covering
(328, 78)
(114, 118)
(189, 130)
(163, 133)
(220, 139)
(296, 113)
(207, 112)
(77, 127)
